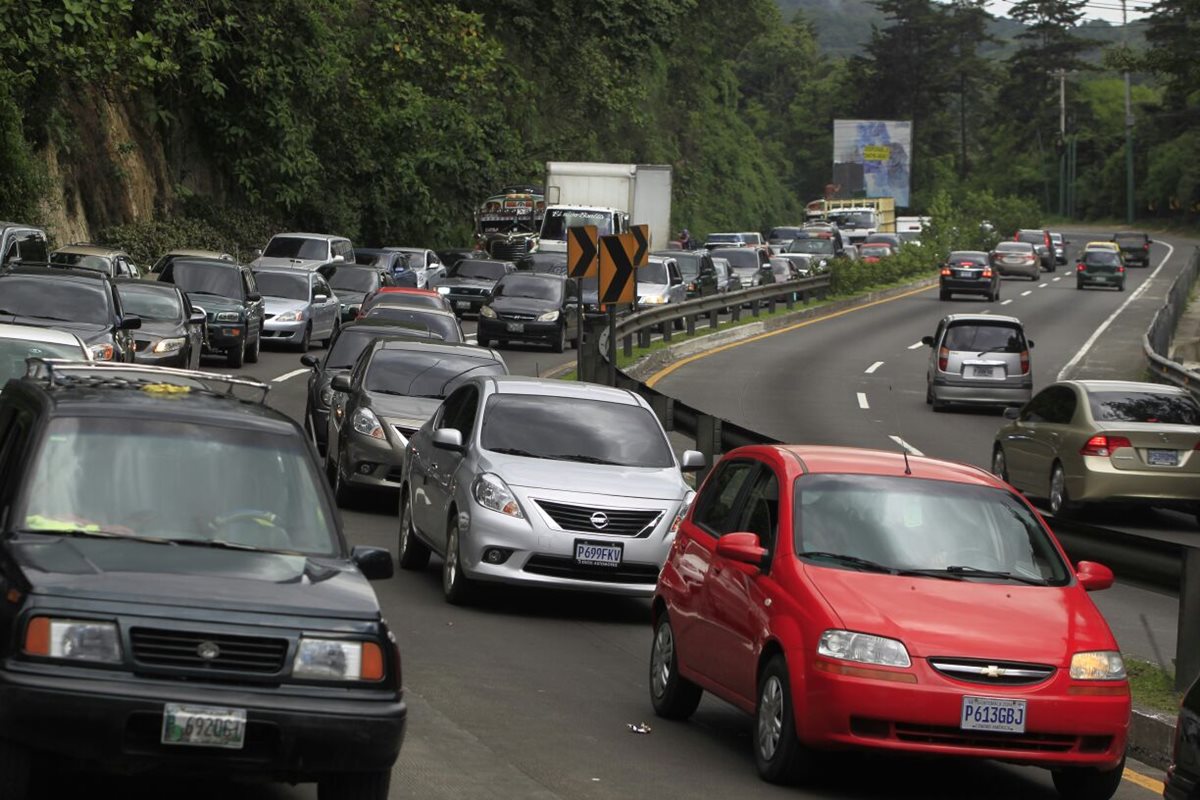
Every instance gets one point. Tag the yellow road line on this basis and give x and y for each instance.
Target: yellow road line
(1145, 781)
(667, 370)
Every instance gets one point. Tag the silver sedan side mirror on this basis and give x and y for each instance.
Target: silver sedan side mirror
(692, 461)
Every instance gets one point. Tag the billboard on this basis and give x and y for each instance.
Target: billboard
(872, 158)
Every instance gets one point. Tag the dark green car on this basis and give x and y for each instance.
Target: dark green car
(1100, 268)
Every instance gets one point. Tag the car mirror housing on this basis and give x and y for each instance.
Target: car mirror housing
(1093, 577)
(375, 563)
(130, 322)
(692, 461)
(927, 341)
(340, 383)
(448, 439)
(742, 547)
(310, 361)
(320, 298)
(1030, 343)
(197, 317)
(253, 297)
(1012, 412)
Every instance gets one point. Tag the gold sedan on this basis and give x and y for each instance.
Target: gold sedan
(1079, 442)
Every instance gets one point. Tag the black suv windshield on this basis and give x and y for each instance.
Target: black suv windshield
(423, 374)
(72, 301)
(515, 285)
(207, 279)
(952, 530)
(233, 485)
(689, 264)
(574, 429)
(475, 268)
(152, 302)
(1167, 409)
(278, 284)
(297, 247)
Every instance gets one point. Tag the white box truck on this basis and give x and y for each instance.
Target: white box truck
(610, 196)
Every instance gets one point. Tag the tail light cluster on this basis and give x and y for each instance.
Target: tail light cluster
(1080, 267)
(987, 272)
(943, 358)
(1024, 362)
(1102, 445)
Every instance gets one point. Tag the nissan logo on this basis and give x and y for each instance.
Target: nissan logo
(599, 520)
(208, 650)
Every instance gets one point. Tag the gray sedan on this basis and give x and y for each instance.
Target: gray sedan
(300, 307)
(542, 482)
(660, 282)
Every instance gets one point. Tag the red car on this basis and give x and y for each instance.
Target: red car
(863, 599)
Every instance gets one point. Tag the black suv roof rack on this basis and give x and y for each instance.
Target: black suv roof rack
(58, 372)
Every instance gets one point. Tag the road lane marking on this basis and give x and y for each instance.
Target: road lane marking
(667, 370)
(1145, 781)
(911, 450)
(1059, 278)
(1005, 302)
(862, 401)
(916, 346)
(1044, 285)
(1075, 359)
(289, 375)
(1026, 293)
(874, 367)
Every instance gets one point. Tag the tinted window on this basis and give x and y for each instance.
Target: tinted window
(718, 501)
(760, 512)
(278, 284)
(553, 264)
(740, 258)
(13, 353)
(32, 246)
(723, 238)
(1055, 405)
(557, 220)
(348, 346)
(912, 524)
(206, 279)
(443, 326)
(71, 301)
(407, 300)
(1101, 258)
(875, 250)
(653, 272)
(297, 247)
(232, 484)
(1014, 247)
(96, 263)
(151, 302)
(1168, 409)
(575, 429)
(1033, 237)
(783, 233)
(473, 268)
(1130, 238)
(416, 374)
(689, 264)
(515, 285)
(815, 246)
(355, 280)
(968, 258)
(983, 338)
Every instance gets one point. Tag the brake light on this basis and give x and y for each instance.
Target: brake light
(945, 271)
(1146, 246)
(1024, 362)
(943, 358)
(987, 273)
(1101, 445)
(1120, 269)
(1080, 268)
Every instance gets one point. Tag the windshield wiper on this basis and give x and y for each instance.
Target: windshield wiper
(97, 534)
(225, 544)
(515, 451)
(975, 572)
(580, 457)
(46, 316)
(849, 561)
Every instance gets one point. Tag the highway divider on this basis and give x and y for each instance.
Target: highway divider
(1157, 341)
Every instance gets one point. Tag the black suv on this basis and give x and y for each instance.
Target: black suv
(232, 304)
(696, 266)
(1135, 248)
(81, 301)
(183, 599)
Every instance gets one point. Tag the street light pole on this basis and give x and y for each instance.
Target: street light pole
(1128, 122)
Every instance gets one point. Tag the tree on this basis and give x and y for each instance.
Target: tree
(971, 73)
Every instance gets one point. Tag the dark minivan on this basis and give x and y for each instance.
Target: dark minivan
(182, 599)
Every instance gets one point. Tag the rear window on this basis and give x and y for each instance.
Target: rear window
(1033, 237)
(1130, 237)
(1101, 258)
(968, 258)
(984, 338)
(1168, 409)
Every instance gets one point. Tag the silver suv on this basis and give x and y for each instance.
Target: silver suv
(304, 250)
(542, 482)
(978, 359)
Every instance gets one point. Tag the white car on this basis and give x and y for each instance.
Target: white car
(304, 251)
(20, 342)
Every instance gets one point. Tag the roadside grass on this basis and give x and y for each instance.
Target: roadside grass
(1153, 687)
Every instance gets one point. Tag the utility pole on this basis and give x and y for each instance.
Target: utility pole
(1128, 121)
(1062, 142)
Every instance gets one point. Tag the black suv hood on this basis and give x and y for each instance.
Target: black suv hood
(523, 305)
(212, 303)
(470, 283)
(159, 574)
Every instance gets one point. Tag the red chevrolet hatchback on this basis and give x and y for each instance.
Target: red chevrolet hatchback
(861, 599)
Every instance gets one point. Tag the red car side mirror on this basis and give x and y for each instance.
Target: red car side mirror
(744, 548)
(1092, 576)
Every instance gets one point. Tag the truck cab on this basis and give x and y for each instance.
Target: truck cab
(553, 236)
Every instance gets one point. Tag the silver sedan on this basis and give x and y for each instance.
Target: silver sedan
(542, 482)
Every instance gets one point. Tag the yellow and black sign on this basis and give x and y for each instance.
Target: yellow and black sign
(619, 257)
(582, 251)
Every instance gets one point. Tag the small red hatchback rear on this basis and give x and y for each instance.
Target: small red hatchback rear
(860, 599)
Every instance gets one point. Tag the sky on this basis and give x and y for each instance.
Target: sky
(1109, 10)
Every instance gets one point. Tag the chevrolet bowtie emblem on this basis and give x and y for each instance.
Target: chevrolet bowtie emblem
(993, 671)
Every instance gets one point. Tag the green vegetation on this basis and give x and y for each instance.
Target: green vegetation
(1153, 687)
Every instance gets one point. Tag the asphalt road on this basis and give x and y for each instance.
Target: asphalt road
(530, 694)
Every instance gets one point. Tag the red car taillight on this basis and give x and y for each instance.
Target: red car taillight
(1120, 269)
(945, 271)
(1080, 268)
(1146, 246)
(987, 273)
(1101, 445)
(943, 358)
(1024, 362)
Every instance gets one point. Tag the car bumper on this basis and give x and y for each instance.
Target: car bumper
(467, 304)
(1099, 280)
(530, 331)
(116, 723)
(178, 358)
(284, 331)
(1031, 271)
(950, 390)
(370, 463)
(541, 555)
(222, 338)
(965, 286)
(1061, 728)
(1101, 481)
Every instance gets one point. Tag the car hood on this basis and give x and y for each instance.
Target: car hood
(468, 283)
(263, 262)
(138, 572)
(159, 329)
(90, 332)
(523, 305)
(279, 305)
(409, 409)
(543, 473)
(349, 298)
(644, 288)
(966, 619)
(212, 303)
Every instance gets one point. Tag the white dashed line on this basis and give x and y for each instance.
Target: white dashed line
(1005, 302)
(1056, 279)
(289, 375)
(912, 450)
(1026, 293)
(1044, 285)
(874, 367)
(862, 401)
(916, 346)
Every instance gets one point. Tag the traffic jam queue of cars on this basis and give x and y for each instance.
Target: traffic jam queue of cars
(845, 598)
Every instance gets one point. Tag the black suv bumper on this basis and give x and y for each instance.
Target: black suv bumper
(115, 722)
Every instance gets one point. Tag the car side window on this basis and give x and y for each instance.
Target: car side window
(673, 274)
(467, 412)
(1061, 406)
(14, 425)
(719, 500)
(248, 284)
(760, 511)
(451, 410)
(321, 287)
(32, 246)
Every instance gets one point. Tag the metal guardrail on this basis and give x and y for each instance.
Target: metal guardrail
(1156, 342)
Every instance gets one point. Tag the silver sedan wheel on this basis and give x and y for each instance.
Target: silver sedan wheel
(770, 717)
(660, 660)
(450, 563)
